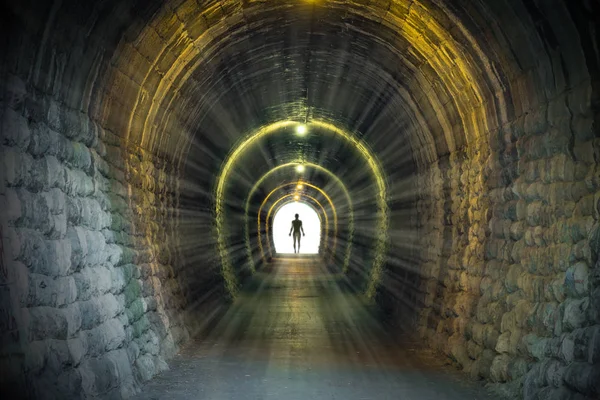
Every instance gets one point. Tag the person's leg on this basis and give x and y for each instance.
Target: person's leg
(295, 243)
(299, 242)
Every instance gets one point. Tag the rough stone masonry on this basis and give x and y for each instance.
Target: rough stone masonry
(116, 116)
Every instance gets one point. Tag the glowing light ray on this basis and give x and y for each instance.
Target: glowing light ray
(451, 62)
(267, 219)
(335, 178)
(382, 207)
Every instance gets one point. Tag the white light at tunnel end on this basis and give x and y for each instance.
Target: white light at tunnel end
(300, 168)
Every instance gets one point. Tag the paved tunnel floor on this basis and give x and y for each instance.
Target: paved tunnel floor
(297, 333)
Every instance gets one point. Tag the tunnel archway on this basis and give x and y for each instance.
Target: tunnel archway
(323, 128)
(480, 120)
(311, 224)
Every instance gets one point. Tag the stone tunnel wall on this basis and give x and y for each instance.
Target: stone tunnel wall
(92, 302)
(510, 284)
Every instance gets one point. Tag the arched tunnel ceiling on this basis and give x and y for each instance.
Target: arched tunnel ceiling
(187, 82)
(272, 62)
(211, 72)
(456, 139)
(413, 81)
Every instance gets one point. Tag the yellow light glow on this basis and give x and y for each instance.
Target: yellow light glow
(301, 130)
(300, 168)
(299, 186)
(259, 221)
(296, 197)
(352, 139)
(350, 233)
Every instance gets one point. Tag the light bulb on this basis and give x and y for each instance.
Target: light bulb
(301, 130)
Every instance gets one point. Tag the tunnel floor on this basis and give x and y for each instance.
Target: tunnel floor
(298, 332)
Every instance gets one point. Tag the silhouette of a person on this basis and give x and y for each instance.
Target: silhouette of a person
(296, 228)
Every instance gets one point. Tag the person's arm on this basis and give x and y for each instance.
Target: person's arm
(291, 229)
(301, 227)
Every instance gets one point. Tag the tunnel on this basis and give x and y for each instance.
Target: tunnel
(450, 149)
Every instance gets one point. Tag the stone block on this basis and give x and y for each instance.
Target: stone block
(16, 285)
(12, 206)
(533, 346)
(92, 215)
(136, 309)
(140, 326)
(78, 183)
(77, 239)
(535, 214)
(17, 167)
(99, 375)
(104, 202)
(577, 280)
(51, 292)
(68, 383)
(583, 128)
(499, 370)
(149, 342)
(54, 173)
(78, 348)
(74, 318)
(40, 141)
(133, 291)
(97, 310)
(592, 351)
(503, 343)
(98, 161)
(114, 255)
(35, 356)
(482, 366)
(168, 348)
(35, 212)
(73, 208)
(583, 377)
(522, 310)
(512, 278)
(117, 280)
(47, 323)
(81, 157)
(58, 257)
(575, 313)
(110, 335)
(14, 129)
(145, 367)
(577, 191)
(547, 315)
(14, 91)
(97, 249)
(133, 351)
(51, 258)
(567, 350)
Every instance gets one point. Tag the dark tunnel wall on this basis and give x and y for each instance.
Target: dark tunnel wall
(476, 219)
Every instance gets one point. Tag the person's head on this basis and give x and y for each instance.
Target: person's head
(296, 216)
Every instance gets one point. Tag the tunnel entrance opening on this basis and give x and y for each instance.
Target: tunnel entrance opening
(282, 223)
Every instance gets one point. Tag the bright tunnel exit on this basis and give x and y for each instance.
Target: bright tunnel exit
(282, 223)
